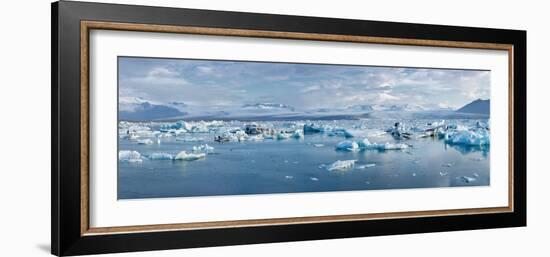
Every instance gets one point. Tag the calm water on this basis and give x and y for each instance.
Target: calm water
(297, 165)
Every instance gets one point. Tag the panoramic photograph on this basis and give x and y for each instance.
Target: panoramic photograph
(190, 127)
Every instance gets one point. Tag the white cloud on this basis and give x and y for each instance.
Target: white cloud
(205, 69)
(310, 89)
(160, 76)
(162, 72)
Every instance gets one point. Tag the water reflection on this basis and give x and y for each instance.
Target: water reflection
(467, 149)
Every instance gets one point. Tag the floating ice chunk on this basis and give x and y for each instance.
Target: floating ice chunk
(375, 133)
(203, 148)
(129, 156)
(185, 156)
(161, 156)
(368, 165)
(282, 135)
(468, 137)
(240, 135)
(341, 132)
(146, 141)
(399, 132)
(188, 139)
(447, 165)
(341, 165)
(443, 173)
(310, 129)
(298, 134)
(255, 138)
(289, 177)
(392, 146)
(314, 179)
(467, 179)
(348, 146)
(437, 123)
(366, 144)
(322, 166)
(318, 145)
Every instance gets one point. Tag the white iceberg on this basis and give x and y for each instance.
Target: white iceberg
(367, 145)
(348, 146)
(365, 166)
(185, 156)
(467, 179)
(256, 138)
(129, 156)
(282, 135)
(161, 156)
(188, 139)
(146, 141)
(341, 165)
(393, 146)
(203, 148)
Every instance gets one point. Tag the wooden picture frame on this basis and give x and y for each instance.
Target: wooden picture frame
(71, 25)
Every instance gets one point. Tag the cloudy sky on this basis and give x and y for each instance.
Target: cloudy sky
(304, 86)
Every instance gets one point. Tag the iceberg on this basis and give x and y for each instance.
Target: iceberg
(188, 139)
(468, 137)
(341, 165)
(341, 132)
(185, 156)
(161, 156)
(282, 135)
(256, 138)
(146, 141)
(298, 134)
(129, 156)
(367, 145)
(348, 146)
(368, 165)
(203, 148)
(311, 129)
(398, 132)
(392, 146)
(230, 137)
(467, 179)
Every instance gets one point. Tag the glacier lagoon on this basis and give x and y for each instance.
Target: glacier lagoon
(215, 158)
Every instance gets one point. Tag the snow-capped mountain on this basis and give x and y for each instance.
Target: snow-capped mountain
(478, 106)
(268, 106)
(137, 108)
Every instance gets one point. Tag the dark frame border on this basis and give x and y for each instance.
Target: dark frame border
(67, 238)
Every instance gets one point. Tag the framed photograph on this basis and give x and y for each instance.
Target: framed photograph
(178, 128)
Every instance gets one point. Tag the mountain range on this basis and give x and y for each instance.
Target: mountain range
(478, 106)
(139, 109)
